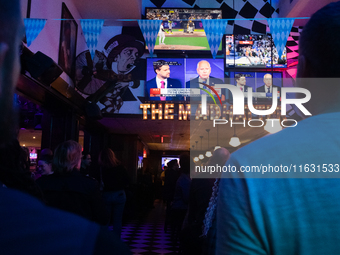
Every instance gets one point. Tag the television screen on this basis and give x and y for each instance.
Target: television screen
(262, 84)
(229, 51)
(166, 160)
(208, 71)
(182, 29)
(254, 51)
(165, 79)
(183, 76)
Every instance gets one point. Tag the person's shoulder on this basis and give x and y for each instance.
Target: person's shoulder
(74, 234)
(193, 83)
(45, 180)
(216, 80)
(151, 82)
(261, 88)
(174, 82)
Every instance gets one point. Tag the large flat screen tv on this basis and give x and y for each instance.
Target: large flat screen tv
(172, 70)
(252, 51)
(182, 76)
(183, 29)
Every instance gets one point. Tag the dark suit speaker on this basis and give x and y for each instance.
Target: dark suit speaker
(162, 80)
(241, 82)
(203, 71)
(268, 85)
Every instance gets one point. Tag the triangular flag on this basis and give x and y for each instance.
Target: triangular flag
(214, 30)
(150, 29)
(92, 29)
(33, 28)
(280, 29)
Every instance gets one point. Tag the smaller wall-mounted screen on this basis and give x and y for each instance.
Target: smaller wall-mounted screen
(166, 160)
(253, 51)
(182, 29)
(262, 84)
(229, 51)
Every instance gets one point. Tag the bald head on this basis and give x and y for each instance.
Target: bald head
(203, 69)
(219, 157)
(268, 79)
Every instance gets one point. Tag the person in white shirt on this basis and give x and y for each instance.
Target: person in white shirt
(161, 35)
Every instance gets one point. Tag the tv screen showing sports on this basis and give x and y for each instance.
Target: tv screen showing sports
(182, 29)
(262, 84)
(165, 79)
(229, 51)
(254, 51)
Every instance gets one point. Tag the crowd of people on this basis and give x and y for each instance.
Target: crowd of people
(179, 14)
(63, 212)
(259, 52)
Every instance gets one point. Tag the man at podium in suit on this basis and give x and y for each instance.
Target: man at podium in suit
(241, 82)
(268, 85)
(203, 71)
(162, 80)
(267, 88)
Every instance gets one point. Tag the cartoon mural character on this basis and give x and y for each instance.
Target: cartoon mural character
(122, 52)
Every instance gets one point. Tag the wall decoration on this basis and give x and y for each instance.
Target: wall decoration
(33, 28)
(68, 41)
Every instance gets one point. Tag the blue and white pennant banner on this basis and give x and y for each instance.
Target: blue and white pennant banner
(214, 30)
(150, 29)
(33, 28)
(92, 29)
(280, 29)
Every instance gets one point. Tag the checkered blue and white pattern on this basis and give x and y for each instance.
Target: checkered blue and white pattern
(92, 29)
(280, 29)
(33, 28)
(150, 29)
(214, 30)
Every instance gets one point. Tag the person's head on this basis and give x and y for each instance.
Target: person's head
(86, 160)
(124, 50)
(162, 69)
(67, 157)
(184, 161)
(11, 34)
(107, 158)
(45, 164)
(268, 80)
(219, 157)
(240, 79)
(319, 44)
(46, 151)
(319, 56)
(173, 164)
(203, 69)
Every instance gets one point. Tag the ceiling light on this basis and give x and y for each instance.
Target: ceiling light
(234, 141)
(273, 126)
(217, 147)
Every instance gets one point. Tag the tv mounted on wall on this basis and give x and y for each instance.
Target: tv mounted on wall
(183, 29)
(252, 51)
